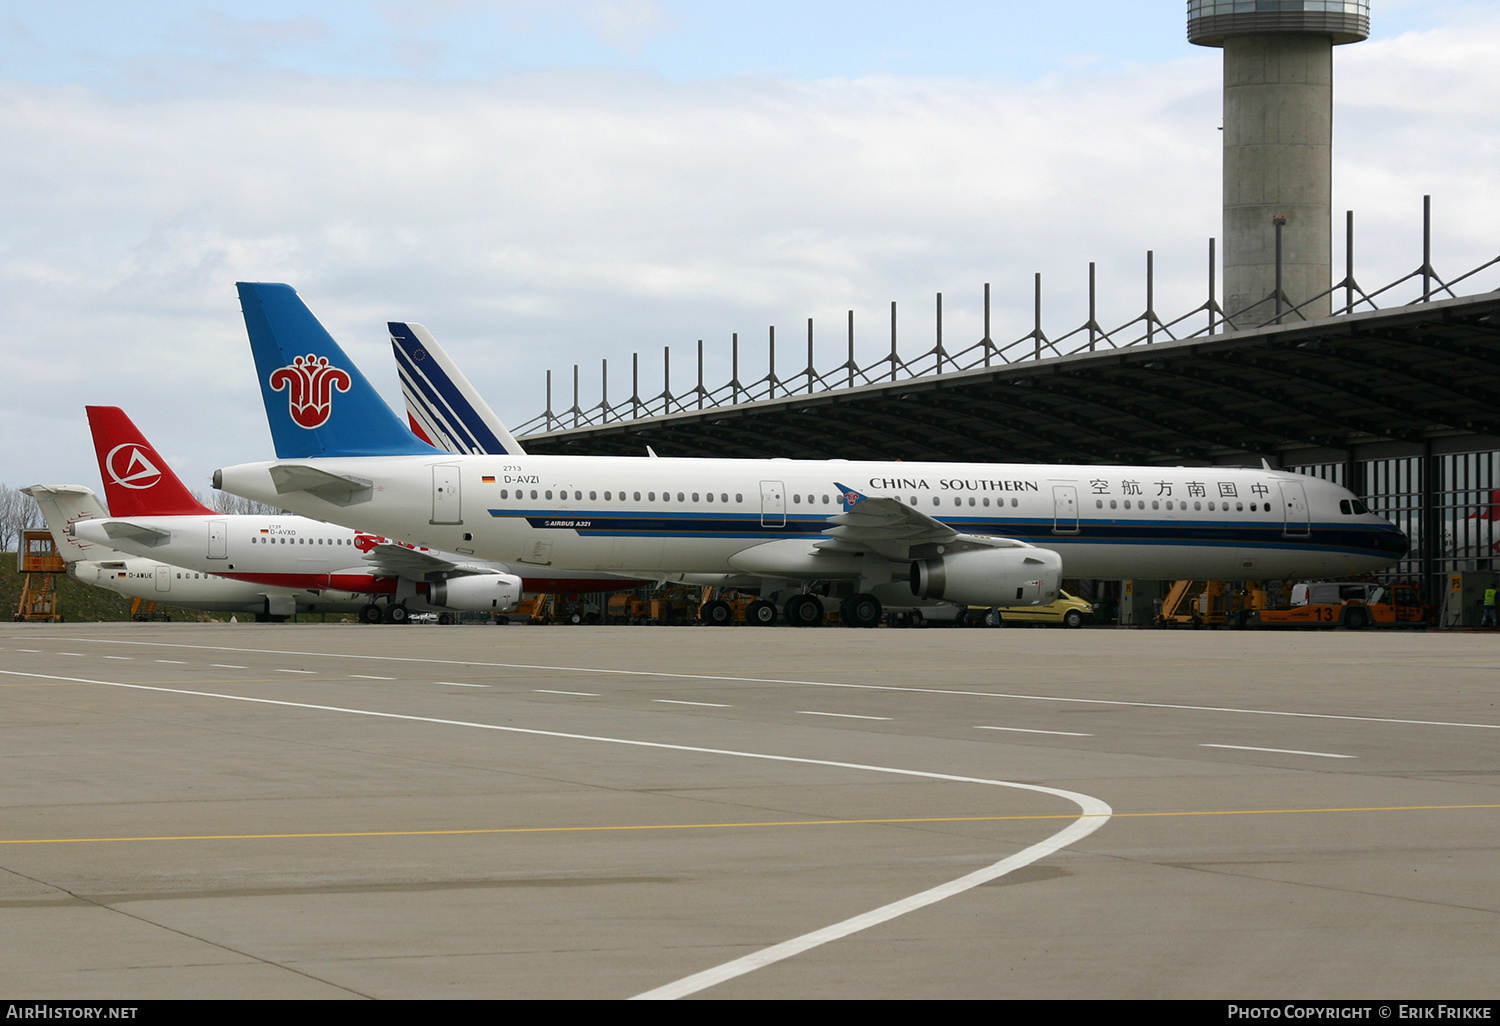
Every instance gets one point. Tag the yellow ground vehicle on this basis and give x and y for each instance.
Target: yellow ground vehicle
(1351, 604)
(1068, 610)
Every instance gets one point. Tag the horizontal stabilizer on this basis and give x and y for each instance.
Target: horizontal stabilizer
(119, 530)
(339, 489)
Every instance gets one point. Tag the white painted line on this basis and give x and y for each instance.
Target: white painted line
(1093, 815)
(28, 650)
(1282, 751)
(806, 683)
(580, 694)
(78, 654)
(174, 662)
(217, 666)
(842, 716)
(127, 659)
(1023, 730)
(456, 684)
(706, 705)
(294, 671)
(369, 676)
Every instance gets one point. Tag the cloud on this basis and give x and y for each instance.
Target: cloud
(626, 25)
(251, 39)
(544, 219)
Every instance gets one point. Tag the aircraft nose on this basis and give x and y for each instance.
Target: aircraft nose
(1394, 543)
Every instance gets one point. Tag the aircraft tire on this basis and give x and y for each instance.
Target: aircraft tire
(397, 614)
(717, 614)
(760, 613)
(861, 611)
(803, 611)
(368, 614)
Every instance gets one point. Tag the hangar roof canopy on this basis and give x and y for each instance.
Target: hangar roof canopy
(1411, 375)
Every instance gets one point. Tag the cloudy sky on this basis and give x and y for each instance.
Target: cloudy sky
(550, 182)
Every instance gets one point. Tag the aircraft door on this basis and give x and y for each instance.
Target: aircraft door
(163, 575)
(446, 497)
(1294, 507)
(1064, 509)
(218, 541)
(772, 504)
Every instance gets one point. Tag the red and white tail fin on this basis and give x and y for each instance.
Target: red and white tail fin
(137, 481)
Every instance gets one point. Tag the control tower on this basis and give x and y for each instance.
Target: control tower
(1278, 144)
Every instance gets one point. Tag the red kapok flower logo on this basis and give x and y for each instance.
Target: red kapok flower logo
(309, 384)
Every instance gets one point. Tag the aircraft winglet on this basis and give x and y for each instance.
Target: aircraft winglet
(849, 497)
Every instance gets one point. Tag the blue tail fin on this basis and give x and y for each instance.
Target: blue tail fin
(444, 409)
(317, 401)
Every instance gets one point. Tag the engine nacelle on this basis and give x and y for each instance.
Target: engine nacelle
(1021, 576)
(481, 593)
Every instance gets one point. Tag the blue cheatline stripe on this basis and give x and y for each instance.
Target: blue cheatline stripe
(663, 524)
(443, 403)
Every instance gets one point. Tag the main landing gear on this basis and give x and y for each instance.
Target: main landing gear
(807, 611)
(803, 611)
(390, 614)
(860, 611)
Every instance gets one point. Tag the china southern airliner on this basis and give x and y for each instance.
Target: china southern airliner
(871, 533)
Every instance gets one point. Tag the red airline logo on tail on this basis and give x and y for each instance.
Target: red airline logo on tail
(132, 470)
(309, 382)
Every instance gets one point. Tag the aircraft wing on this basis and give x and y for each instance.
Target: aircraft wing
(878, 525)
(895, 530)
(391, 560)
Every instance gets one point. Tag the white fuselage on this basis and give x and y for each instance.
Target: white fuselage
(283, 552)
(154, 581)
(663, 517)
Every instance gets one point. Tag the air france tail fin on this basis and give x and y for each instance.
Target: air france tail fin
(317, 401)
(444, 409)
(137, 481)
(65, 505)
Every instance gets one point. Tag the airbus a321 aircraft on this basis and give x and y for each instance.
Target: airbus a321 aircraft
(136, 577)
(981, 534)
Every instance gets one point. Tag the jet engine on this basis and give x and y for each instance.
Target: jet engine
(1021, 576)
(480, 593)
